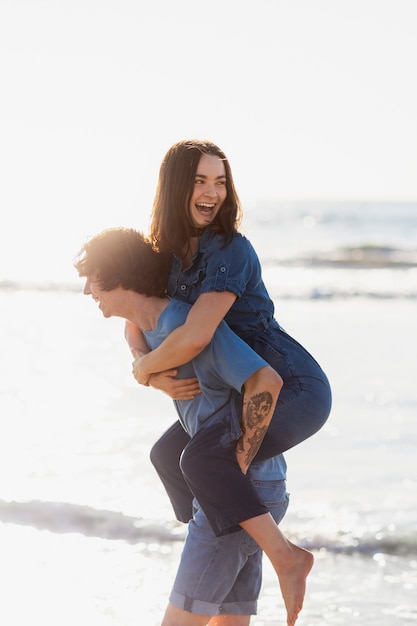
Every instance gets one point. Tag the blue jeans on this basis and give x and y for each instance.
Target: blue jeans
(223, 575)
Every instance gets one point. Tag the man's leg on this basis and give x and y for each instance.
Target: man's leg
(229, 620)
(216, 576)
(178, 617)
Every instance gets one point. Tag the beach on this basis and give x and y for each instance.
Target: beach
(86, 530)
(315, 107)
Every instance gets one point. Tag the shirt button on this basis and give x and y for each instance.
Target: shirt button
(222, 269)
(183, 287)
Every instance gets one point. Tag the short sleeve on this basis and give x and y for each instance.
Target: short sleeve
(230, 267)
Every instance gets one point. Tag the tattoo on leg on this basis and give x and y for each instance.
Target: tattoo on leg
(258, 409)
(255, 412)
(255, 443)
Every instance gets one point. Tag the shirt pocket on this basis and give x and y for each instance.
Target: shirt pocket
(189, 286)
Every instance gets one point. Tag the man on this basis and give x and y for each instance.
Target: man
(219, 577)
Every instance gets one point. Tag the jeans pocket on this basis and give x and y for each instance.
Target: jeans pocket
(273, 493)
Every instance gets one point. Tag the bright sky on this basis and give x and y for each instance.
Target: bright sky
(310, 99)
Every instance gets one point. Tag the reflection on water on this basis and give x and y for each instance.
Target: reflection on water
(74, 463)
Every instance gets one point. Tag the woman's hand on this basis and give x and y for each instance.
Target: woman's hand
(187, 341)
(175, 388)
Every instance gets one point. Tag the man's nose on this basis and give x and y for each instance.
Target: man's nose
(87, 289)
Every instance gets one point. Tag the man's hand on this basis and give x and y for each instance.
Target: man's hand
(175, 388)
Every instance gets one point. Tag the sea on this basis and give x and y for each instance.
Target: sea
(87, 535)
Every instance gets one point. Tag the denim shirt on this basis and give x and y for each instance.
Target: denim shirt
(233, 267)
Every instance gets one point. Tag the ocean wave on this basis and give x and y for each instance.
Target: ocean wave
(39, 285)
(382, 542)
(64, 517)
(338, 287)
(364, 256)
(365, 271)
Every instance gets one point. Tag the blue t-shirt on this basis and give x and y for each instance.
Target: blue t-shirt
(221, 368)
(233, 267)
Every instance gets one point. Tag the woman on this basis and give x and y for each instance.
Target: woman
(196, 216)
(195, 219)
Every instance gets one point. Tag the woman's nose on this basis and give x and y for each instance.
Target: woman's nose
(211, 191)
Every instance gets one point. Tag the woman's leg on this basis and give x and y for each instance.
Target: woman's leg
(303, 407)
(305, 400)
(211, 470)
(296, 417)
(165, 457)
(292, 564)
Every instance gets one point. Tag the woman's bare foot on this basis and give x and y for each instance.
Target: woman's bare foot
(292, 578)
(291, 563)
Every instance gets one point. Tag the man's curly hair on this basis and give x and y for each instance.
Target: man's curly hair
(124, 257)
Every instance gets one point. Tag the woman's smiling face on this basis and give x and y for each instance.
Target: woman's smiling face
(209, 190)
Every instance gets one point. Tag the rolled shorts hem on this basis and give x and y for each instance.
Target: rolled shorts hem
(200, 607)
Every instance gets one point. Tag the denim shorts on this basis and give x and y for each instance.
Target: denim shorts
(223, 575)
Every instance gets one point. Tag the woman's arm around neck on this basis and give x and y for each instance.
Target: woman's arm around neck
(188, 340)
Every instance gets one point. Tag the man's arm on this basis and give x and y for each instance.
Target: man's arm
(260, 396)
(135, 340)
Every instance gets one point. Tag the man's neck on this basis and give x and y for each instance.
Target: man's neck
(144, 311)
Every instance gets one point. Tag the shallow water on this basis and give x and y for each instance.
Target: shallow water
(95, 537)
(86, 531)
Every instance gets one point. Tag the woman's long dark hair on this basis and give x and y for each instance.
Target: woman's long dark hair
(171, 225)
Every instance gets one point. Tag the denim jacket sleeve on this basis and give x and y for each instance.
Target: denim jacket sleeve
(230, 267)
